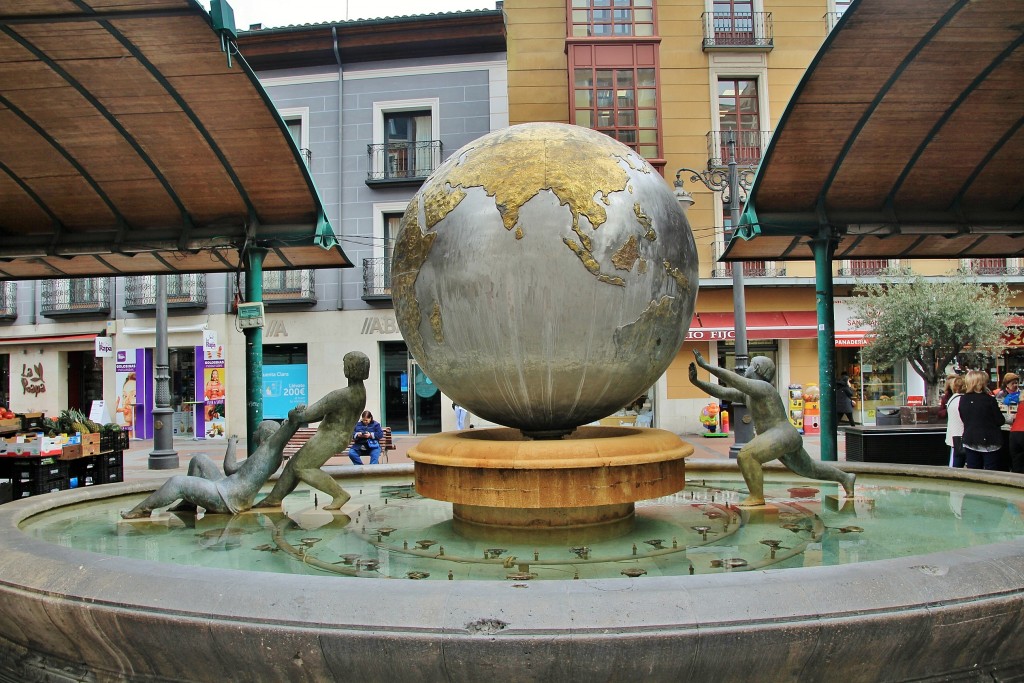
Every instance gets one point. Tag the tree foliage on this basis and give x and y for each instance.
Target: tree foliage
(927, 321)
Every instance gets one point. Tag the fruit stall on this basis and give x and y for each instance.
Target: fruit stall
(42, 455)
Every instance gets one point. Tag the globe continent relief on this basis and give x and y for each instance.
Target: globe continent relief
(544, 276)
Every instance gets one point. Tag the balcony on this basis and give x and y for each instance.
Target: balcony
(749, 145)
(289, 287)
(738, 30)
(81, 296)
(865, 267)
(376, 279)
(402, 163)
(750, 268)
(991, 266)
(8, 300)
(183, 291)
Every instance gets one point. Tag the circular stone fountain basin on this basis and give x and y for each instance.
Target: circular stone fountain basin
(895, 619)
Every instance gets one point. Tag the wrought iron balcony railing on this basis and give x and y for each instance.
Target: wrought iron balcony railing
(750, 268)
(991, 266)
(738, 30)
(865, 267)
(8, 300)
(749, 146)
(183, 291)
(403, 162)
(376, 278)
(289, 287)
(75, 296)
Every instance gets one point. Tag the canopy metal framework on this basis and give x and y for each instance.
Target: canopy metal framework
(904, 140)
(132, 144)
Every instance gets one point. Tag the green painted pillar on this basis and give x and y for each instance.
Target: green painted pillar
(824, 246)
(253, 348)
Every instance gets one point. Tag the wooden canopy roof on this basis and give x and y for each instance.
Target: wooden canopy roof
(130, 145)
(904, 139)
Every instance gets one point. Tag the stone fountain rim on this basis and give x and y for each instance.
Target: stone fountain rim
(103, 580)
(86, 613)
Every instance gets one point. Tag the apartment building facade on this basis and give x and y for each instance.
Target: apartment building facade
(676, 80)
(374, 106)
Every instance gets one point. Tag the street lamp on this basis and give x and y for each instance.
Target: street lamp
(730, 183)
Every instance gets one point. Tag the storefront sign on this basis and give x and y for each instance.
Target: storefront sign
(374, 325)
(210, 347)
(104, 347)
(915, 400)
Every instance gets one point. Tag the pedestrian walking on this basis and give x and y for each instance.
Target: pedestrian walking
(954, 425)
(983, 423)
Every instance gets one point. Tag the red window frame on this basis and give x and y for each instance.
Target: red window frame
(611, 18)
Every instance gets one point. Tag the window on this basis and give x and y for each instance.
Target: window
(733, 22)
(612, 18)
(387, 218)
(621, 103)
(406, 140)
(297, 121)
(739, 116)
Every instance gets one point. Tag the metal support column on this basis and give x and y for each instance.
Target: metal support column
(824, 246)
(733, 183)
(163, 456)
(253, 348)
(742, 425)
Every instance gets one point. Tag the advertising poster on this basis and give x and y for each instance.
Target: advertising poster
(284, 387)
(214, 390)
(133, 407)
(211, 389)
(127, 388)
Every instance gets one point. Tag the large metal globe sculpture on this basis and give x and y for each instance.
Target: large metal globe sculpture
(544, 276)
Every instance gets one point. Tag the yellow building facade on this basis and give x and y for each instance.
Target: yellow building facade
(704, 71)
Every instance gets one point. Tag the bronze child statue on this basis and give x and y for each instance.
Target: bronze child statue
(776, 438)
(337, 413)
(227, 492)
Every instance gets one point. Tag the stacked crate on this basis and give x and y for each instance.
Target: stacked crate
(110, 461)
(35, 476)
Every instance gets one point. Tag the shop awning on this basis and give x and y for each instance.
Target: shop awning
(904, 139)
(47, 339)
(133, 145)
(760, 325)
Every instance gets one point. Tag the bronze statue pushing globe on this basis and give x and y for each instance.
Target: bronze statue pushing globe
(544, 277)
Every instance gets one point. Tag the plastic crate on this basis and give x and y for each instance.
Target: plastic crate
(84, 470)
(111, 475)
(109, 460)
(24, 489)
(38, 469)
(121, 442)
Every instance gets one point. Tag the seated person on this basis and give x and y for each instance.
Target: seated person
(366, 439)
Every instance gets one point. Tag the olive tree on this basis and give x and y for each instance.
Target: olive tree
(927, 321)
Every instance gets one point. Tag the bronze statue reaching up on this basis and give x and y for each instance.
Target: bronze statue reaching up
(776, 438)
(337, 413)
(234, 489)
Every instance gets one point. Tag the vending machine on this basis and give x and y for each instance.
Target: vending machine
(812, 409)
(796, 406)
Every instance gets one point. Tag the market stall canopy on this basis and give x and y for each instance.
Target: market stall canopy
(904, 139)
(132, 144)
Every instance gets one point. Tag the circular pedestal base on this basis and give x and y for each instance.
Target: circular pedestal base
(571, 526)
(497, 478)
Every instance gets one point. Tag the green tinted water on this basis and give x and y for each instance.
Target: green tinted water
(390, 531)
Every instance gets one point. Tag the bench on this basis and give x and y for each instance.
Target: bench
(304, 434)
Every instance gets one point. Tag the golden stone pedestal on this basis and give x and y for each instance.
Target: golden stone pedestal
(498, 479)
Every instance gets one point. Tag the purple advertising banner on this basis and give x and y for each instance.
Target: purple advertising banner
(211, 386)
(133, 409)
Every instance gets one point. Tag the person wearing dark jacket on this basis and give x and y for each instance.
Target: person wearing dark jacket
(983, 422)
(844, 401)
